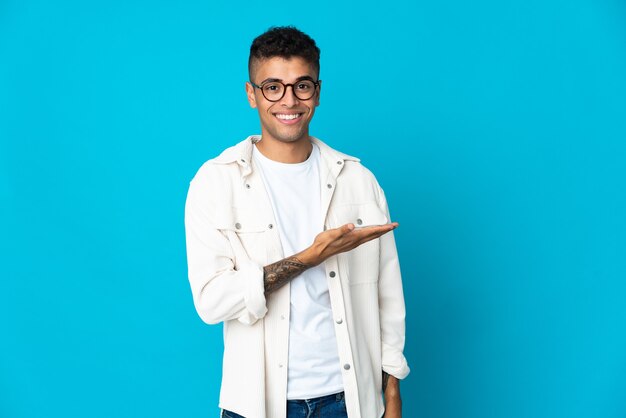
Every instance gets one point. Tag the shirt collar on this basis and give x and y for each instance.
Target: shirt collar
(241, 153)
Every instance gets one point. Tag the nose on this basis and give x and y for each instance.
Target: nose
(289, 99)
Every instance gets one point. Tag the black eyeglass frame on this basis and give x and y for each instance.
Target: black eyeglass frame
(316, 84)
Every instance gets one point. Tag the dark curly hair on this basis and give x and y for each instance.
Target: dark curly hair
(284, 42)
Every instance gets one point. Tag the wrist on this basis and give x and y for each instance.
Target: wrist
(309, 256)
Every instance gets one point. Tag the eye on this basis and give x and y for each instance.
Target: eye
(304, 86)
(272, 87)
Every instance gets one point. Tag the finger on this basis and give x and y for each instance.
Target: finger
(343, 230)
(390, 224)
(352, 236)
(375, 229)
(373, 232)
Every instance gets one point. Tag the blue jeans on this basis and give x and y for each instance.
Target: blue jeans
(330, 406)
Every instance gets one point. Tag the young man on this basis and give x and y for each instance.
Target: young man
(289, 244)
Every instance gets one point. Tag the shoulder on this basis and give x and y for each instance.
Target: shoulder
(228, 162)
(355, 182)
(357, 169)
(216, 177)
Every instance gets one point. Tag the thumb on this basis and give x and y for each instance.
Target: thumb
(344, 229)
(337, 233)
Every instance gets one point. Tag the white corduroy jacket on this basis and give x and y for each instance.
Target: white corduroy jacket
(231, 234)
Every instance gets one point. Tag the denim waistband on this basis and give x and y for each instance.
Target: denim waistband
(333, 397)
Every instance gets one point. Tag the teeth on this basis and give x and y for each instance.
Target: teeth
(287, 117)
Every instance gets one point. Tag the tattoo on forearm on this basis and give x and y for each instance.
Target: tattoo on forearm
(277, 274)
(385, 380)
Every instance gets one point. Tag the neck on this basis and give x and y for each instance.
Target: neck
(285, 152)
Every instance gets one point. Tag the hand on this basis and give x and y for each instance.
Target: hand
(342, 239)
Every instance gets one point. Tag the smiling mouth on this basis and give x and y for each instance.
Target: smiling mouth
(288, 118)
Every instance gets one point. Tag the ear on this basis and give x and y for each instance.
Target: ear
(319, 91)
(250, 94)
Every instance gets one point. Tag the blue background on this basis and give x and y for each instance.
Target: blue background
(496, 128)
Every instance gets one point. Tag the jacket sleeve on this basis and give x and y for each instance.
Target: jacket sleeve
(391, 303)
(223, 288)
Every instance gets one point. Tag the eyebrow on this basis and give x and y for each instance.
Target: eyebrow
(304, 77)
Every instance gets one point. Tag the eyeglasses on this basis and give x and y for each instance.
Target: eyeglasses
(273, 91)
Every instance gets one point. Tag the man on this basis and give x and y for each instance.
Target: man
(289, 245)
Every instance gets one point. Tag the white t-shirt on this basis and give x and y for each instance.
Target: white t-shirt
(294, 191)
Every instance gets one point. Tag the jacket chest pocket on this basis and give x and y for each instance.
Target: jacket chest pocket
(362, 263)
(245, 230)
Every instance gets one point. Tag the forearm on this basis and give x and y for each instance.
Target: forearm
(277, 274)
(391, 385)
(391, 309)
(393, 401)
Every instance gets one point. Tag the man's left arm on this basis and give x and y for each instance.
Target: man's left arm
(392, 319)
(393, 401)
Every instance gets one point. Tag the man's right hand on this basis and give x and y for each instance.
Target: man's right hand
(325, 245)
(339, 240)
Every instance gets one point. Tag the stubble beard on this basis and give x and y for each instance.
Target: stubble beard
(287, 137)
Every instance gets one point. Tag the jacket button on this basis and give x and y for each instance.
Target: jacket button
(332, 274)
(243, 161)
(270, 226)
(339, 321)
(247, 186)
(339, 162)
(237, 225)
(346, 366)
(329, 186)
(359, 221)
